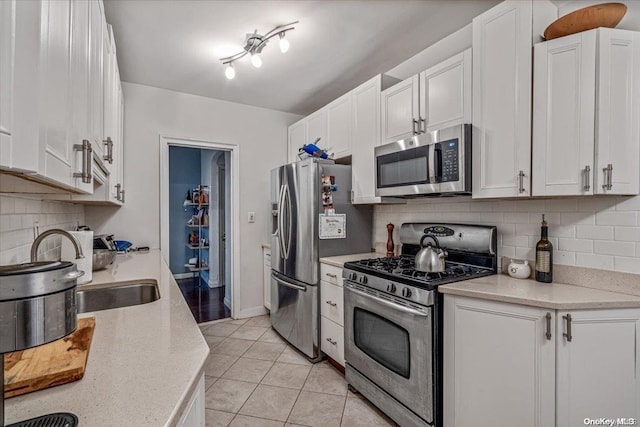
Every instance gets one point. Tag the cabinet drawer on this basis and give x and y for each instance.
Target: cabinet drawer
(332, 339)
(331, 302)
(331, 274)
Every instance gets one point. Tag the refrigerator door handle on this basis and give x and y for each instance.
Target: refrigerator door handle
(287, 284)
(290, 225)
(280, 224)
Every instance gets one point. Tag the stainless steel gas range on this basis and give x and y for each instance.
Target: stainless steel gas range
(393, 319)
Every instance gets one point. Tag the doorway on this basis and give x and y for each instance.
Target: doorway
(197, 234)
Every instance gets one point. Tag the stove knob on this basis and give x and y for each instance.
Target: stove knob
(391, 288)
(352, 276)
(363, 280)
(406, 292)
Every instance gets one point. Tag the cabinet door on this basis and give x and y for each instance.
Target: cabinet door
(502, 100)
(366, 136)
(332, 339)
(447, 92)
(317, 128)
(79, 79)
(618, 113)
(400, 110)
(266, 277)
(339, 126)
(56, 147)
(563, 115)
(497, 355)
(297, 138)
(194, 413)
(597, 371)
(7, 44)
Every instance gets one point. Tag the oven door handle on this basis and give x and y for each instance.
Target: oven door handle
(386, 303)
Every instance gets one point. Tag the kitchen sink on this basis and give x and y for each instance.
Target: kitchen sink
(115, 295)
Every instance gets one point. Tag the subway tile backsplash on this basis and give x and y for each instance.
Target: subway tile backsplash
(17, 216)
(595, 232)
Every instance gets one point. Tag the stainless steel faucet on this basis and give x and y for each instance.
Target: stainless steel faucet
(43, 235)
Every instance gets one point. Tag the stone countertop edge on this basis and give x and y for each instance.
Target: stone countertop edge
(266, 246)
(144, 360)
(555, 296)
(339, 260)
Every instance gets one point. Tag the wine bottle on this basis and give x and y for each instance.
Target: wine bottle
(544, 255)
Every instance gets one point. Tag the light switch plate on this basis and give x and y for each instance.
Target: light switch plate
(251, 217)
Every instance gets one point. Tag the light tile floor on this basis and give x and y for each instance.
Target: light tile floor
(253, 378)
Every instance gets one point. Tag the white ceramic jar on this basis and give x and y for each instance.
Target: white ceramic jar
(519, 270)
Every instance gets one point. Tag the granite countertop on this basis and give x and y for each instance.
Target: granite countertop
(556, 296)
(144, 360)
(266, 245)
(338, 261)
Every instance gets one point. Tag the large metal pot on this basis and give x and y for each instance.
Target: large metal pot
(102, 258)
(430, 259)
(37, 303)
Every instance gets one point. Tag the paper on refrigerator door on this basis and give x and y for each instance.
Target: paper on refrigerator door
(333, 226)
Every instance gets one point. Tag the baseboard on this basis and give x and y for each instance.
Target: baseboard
(227, 302)
(215, 284)
(183, 276)
(251, 312)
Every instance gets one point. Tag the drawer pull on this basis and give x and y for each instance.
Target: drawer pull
(332, 341)
(334, 276)
(568, 335)
(331, 303)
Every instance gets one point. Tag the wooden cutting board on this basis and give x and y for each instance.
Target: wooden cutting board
(59, 362)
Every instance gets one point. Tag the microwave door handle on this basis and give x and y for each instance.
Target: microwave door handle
(431, 164)
(438, 161)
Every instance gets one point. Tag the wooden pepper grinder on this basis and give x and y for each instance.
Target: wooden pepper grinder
(390, 245)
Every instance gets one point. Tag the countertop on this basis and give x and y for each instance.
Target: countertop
(556, 296)
(338, 261)
(144, 360)
(266, 246)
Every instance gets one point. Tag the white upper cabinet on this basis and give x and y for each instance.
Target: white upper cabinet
(339, 126)
(597, 368)
(297, 138)
(100, 45)
(618, 113)
(366, 136)
(7, 45)
(502, 49)
(586, 114)
(401, 110)
(317, 128)
(446, 97)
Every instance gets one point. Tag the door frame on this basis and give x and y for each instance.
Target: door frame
(233, 208)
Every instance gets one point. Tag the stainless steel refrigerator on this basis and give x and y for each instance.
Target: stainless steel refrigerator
(300, 193)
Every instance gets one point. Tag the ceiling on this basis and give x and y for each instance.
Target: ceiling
(337, 45)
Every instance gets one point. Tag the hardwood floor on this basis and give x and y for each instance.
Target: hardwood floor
(206, 304)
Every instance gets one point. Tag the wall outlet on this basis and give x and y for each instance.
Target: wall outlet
(251, 217)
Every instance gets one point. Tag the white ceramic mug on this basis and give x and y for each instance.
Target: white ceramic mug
(519, 270)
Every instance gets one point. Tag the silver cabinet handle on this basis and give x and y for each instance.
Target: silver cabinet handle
(331, 303)
(423, 125)
(548, 317)
(86, 149)
(109, 156)
(122, 195)
(332, 341)
(415, 126)
(331, 275)
(118, 191)
(5, 131)
(568, 333)
(521, 176)
(587, 178)
(608, 177)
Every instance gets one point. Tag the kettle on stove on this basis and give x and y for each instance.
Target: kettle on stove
(430, 259)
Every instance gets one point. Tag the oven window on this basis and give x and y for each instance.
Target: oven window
(403, 168)
(383, 341)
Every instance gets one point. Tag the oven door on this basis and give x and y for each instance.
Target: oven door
(391, 345)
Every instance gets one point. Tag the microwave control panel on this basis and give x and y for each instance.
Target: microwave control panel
(450, 160)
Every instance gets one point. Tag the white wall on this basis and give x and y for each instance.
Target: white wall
(18, 212)
(594, 232)
(261, 136)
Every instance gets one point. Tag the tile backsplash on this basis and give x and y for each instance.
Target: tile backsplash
(595, 232)
(17, 216)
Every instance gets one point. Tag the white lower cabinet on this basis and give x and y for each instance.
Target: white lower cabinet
(194, 413)
(266, 277)
(332, 312)
(509, 364)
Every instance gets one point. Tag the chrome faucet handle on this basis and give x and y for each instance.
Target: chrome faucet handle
(36, 243)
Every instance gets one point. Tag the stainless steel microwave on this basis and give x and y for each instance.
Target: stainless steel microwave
(433, 163)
